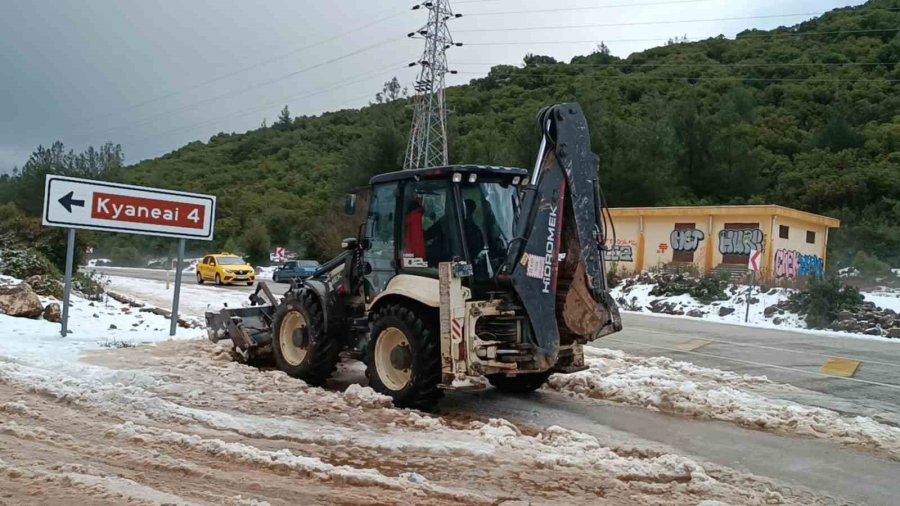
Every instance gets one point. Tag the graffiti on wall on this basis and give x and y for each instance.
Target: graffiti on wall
(740, 242)
(686, 240)
(792, 264)
(619, 254)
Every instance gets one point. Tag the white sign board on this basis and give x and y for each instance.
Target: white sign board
(112, 207)
(755, 257)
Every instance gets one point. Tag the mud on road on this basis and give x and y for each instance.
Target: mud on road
(180, 423)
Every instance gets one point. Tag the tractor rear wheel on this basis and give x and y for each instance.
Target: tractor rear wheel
(521, 384)
(300, 345)
(404, 357)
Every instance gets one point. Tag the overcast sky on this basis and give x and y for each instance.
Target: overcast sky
(153, 75)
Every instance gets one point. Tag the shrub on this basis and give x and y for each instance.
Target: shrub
(24, 262)
(823, 299)
(708, 288)
(870, 267)
(90, 285)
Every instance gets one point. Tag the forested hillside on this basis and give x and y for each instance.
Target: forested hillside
(806, 116)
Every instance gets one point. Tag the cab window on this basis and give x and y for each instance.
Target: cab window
(380, 230)
(430, 233)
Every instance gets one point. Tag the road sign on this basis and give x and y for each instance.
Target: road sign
(96, 205)
(755, 257)
(280, 253)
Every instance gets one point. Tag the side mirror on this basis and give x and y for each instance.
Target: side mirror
(349, 244)
(350, 204)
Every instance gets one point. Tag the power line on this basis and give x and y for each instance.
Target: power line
(637, 23)
(693, 78)
(302, 96)
(590, 8)
(242, 69)
(685, 64)
(243, 90)
(694, 39)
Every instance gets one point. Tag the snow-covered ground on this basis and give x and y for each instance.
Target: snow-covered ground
(637, 299)
(195, 299)
(683, 388)
(92, 325)
(178, 422)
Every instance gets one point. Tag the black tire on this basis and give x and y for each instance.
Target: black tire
(199, 278)
(218, 279)
(420, 331)
(321, 352)
(521, 384)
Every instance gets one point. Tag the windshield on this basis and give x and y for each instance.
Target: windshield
(489, 212)
(231, 261)
(308, 264)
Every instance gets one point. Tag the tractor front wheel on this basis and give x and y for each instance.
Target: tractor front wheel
(300, 345)
(404, 357)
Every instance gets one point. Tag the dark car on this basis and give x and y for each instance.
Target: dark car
(295, 269)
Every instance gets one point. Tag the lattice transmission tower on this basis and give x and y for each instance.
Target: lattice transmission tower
(428, 137)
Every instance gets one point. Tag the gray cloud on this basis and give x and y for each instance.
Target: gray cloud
(73, 70)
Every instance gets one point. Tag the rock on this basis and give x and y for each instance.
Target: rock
(725, 311)
(868, 306)
(112, 326)
(852, 326)
(770, 311)
(873, 331)
(773, 291)
(45, 285)
(53, 313)
(844, 315)
(897, 323)
(754, 300)
(894, 333)
(886, 321)
(869, 316)
(695, 313)
(778, 321)
(20, 300)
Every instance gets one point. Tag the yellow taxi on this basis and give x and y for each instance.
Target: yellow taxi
(225, 269)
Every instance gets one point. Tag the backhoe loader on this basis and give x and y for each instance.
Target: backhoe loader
(460, 274)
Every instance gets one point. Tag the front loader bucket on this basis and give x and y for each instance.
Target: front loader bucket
(249, 328)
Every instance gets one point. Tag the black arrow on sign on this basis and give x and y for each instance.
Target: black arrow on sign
(68, 201)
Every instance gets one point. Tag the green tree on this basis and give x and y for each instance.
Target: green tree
(256, 245)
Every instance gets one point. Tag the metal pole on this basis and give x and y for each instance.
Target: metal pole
(178, 268)
(749, 295)
(70, 259)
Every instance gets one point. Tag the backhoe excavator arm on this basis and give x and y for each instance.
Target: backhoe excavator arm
(556, 261)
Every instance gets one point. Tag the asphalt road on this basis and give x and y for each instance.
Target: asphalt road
(161, 275)
(783, 356)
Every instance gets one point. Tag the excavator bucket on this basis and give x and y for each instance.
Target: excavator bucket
(557, 266)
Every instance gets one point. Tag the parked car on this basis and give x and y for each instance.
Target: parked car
(295, 269)
(225, 268)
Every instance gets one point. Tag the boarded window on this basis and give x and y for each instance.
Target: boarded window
(810, 237)
(784, 231)
(737, 240)
(683, 242)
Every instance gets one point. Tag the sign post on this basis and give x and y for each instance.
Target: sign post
(176, 298)
(97, 205)
(70, 259)
(753, 265)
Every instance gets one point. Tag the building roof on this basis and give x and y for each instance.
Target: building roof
(786, 212)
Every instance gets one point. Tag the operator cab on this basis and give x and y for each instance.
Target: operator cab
(420, 218)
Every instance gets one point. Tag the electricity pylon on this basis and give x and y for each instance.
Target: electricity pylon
(428, 139)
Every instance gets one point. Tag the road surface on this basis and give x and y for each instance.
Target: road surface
(783, 356)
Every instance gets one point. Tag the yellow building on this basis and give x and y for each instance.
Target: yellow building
(793, 243)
